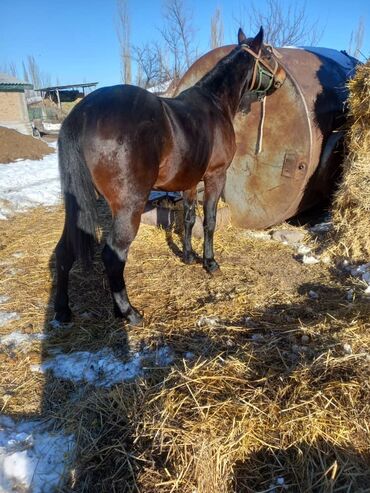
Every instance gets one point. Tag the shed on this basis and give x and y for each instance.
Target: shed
(66, 94)
(13, 107)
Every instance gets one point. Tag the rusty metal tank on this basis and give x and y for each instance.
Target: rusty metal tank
(301, 137)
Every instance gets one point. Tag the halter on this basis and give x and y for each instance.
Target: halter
(256, 87)
(259, 72)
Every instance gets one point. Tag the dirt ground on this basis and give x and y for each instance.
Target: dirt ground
(14, 145)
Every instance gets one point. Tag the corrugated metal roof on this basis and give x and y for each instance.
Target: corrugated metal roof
(9, 80)
(70, 86)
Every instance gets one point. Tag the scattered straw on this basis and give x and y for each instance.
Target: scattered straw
(269, 388)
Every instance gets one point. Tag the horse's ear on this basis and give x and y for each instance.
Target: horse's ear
(242, 39)
(256, 42)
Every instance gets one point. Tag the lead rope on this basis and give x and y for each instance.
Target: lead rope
(262, 122)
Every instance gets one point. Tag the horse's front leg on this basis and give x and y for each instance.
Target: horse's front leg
(213, 186)
(189, 221)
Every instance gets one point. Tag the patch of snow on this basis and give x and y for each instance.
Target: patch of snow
(321, 227)
(29, 183)
(257, 337)
(210, 321)
(102, 368)
(350, 295)
(259, 235)
(362, 271)
(15, 339)
(310, 260)
(4, 298)
(305, 339)
(343, 59)
(313, 295)
(288, 237)
(55, 324)
(346, 61)
(32, 459)
(303, 250)
(160, 88)
(163, 356)
(51, 127)
(6, 317)
(347, 348)
(18, 254)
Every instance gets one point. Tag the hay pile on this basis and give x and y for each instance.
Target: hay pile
(351, 209)
(269, 389)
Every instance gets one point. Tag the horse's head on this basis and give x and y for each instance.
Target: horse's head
(267, 74)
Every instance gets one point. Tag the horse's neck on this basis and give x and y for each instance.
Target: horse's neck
(225, 82)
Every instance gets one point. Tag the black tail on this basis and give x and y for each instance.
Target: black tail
(79, 196)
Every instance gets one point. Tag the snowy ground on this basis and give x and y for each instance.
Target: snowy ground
(102, 368)
(32, 458)
(28, 183)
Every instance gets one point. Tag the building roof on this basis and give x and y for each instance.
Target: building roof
(12, 82)
(70, 86)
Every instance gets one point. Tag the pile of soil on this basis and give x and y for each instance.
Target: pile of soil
(14, 145)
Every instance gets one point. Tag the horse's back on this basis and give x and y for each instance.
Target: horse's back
(112, 110)
(120, 131)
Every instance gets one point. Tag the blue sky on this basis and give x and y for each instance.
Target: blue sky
(76, 41)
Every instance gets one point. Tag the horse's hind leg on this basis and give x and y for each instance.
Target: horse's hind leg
(64, 260)
(189, 221)
(125, 225)
(213, 186)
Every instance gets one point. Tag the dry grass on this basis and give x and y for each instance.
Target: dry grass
(351, 209)
(270, 390)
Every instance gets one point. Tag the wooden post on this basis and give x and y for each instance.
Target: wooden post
(57, 91)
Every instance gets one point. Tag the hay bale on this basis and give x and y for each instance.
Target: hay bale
(351, 208)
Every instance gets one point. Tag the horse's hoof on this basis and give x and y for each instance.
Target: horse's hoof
(189, 258)
(134, 318)
(215, 273)
(212, 267)
(63, 316)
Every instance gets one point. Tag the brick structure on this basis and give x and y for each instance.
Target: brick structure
(13, 107)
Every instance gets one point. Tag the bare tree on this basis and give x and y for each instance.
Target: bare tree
(217, 30)
(123, 33)
(152, 68)
(178, 35)
(26, 77)
(284, 23)
(357, 39)
(9, 68)
(35, 75)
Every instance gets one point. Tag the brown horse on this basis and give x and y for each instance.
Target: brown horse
(123, 141)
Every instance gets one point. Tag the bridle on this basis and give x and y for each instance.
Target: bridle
(262, 71)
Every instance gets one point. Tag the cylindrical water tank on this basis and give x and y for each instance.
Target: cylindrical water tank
(288, 162)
